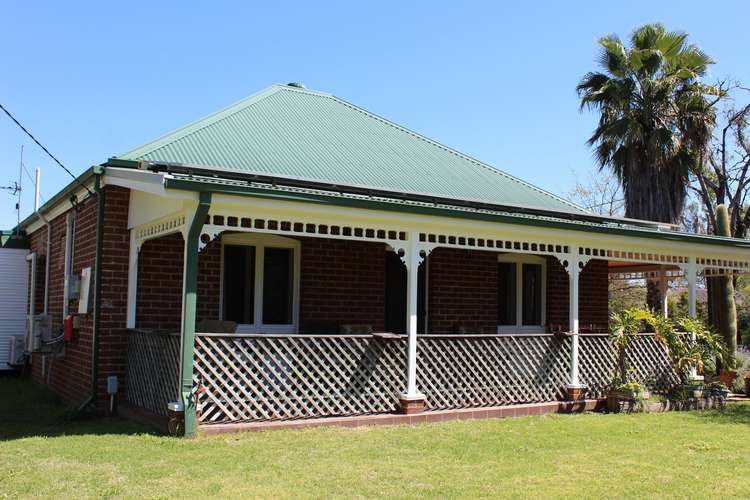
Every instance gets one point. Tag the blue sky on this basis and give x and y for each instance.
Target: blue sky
(494, 81)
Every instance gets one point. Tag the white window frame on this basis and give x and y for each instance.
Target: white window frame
(519, 260)
(261, 242)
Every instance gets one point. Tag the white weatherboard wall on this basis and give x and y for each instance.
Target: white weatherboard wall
(14, 286)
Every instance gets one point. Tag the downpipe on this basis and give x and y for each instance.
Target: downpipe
(99, 171)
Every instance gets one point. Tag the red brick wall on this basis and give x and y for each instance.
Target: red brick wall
(341, 282)
(593, 305)
(209, 281)
(462, 291)
(159, 295)
(68, 375)
(39, 285)
(114, 292)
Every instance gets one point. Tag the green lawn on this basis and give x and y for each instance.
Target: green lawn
(43, 454)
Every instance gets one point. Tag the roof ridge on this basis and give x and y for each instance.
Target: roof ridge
(448, 149)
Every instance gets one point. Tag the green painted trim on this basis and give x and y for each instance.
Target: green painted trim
(97, 284)
(10, 239)
(119, 162)
(62, 194)
(189, 305)
(202, 186)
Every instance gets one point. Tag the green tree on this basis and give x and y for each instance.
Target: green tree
(654, 119)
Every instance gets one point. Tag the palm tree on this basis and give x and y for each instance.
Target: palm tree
(653, 117)
(655, 120)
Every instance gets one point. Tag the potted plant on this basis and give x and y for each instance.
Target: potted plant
(689, 355)
(633, 391)
(624, 327)
(718, 389)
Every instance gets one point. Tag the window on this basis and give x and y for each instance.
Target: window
(260, 282)
(521, 293)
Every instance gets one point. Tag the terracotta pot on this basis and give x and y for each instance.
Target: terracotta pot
(727, 377)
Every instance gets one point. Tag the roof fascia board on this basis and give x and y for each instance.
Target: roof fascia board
(193, 185)
(59, 203)
(384, 192)
(140, 180)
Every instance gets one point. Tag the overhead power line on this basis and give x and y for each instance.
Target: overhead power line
(45, 149)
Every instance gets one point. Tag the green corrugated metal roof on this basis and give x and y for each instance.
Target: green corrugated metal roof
(287, 131)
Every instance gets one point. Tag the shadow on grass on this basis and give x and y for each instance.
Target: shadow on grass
(28, 410)
(733, 413)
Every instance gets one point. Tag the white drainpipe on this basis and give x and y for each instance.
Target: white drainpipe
(47, 256)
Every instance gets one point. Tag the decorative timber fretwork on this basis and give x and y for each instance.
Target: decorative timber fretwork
(710, 271)
(158, 228)
(469, 242)
(626, 256)
(224, 220)
(639, 275)
(217, 223)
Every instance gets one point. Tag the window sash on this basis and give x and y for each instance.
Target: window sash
(261, 242)
(519, 326)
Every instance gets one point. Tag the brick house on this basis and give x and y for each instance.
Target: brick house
(333, 263)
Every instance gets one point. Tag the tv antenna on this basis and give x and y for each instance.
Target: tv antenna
(15, 190)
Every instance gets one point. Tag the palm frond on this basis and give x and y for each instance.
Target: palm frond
(647, 36)
(671, 43)
(613, 55)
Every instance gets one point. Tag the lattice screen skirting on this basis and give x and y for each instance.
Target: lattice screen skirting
(267, 377)
(152, 370)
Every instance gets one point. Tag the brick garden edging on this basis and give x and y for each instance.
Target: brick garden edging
(400, 419)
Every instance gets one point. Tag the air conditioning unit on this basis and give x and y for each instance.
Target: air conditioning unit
(38, 331)
(17, 355)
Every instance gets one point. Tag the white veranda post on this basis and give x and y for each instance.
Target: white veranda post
(663, 291)
(574, 271)
(132, 280)
(412, 259)
(691, 273)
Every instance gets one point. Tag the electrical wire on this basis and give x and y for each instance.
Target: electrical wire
(45, 149)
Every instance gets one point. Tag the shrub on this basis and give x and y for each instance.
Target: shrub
(707, 349)
(624, 326)
(742, 365)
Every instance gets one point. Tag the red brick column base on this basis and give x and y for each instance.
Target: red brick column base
(576, 392)
(410, 405)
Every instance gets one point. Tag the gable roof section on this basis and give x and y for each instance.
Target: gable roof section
(297, 133)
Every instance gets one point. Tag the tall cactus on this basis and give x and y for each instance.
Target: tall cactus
(725, 315)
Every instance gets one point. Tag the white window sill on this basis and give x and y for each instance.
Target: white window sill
(266, 328)
(507, 329)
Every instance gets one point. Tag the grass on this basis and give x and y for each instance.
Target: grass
(691, 454)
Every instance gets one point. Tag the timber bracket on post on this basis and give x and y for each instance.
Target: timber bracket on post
(411, 400)
(189, 299)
